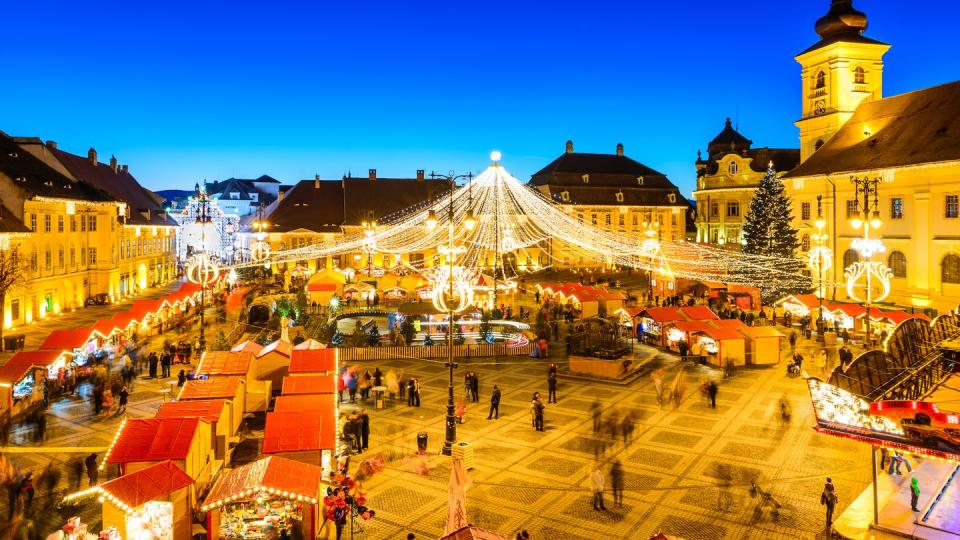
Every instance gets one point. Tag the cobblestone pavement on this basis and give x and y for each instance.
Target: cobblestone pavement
(687, 471)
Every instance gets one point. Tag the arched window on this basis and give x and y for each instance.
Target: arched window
(850, 256)
(898, 264)
(859, 76)
(950, 269)
(821, 79)
(732, 168)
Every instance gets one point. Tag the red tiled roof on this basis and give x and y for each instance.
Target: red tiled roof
(217, 387)
(69, 339)
(224, 363)
(299, 432)
(309, 384)
(304, 402)
(698, 313)
(15, 368)
(281, 347)
(249, 346)
(271, 472)
(208, 409)
(147, 484)
(733, 324)
(313, 360)
(691, 326)
(154, 439)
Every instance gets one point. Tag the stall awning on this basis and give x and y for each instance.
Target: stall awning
(12, 372)
(22, 362)
(663, 314)
(68, 340)
(224, 363)
(313, 361)
(272, 474)
(304, 402)
(754, 332)
(142, 308)
(123, 320)
(733, 324)
(698, 313)
(309, 344)
(302, 431)
(279, 346)
(690, 326)
(248, 346)
(105, 327)
(722, 334)
(809, 300)
(850, 310)
(208, 409)
(309, 384)
(218, 387)
(153, 439)
(894, 316)
(145, 485)
(321, 287)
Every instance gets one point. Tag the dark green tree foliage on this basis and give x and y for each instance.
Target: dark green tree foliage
(767, 231)
(408, 330)
(359, 337)
(485, 326)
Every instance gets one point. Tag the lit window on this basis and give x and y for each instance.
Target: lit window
(732, 168)
(805, 210)
(952, 206)
(898, 264)
(859, 76)
(619, 196)
(896, 208)
(565, 196)
(586, 178)
(821, 79)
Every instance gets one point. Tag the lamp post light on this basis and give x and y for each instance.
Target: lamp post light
(819, 260)
(872, 273)
(203, 270)
(469, 222)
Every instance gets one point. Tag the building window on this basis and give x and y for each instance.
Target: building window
(46, 223)
(15, 309)
(73, 257)
(896, 208)
(60, 258)
(580, 218)
(733, 235)
(33, 261)
(715, 236)
(619, 196)
(859, 76)
(565, 196)
(593, 218)
(850, 256)
(821, 79)
(59, 223)
(607, 219)
(83, 224)
(898, 264)
(853, 209)
(714, 209)
(805, 243)
(73, 224)
(952, 206)
(950, 269)
(673, 219)
(805, 210)
(586, 178)
(732, 168)
(33, 222)
(733, 209)
(92, 225)
(620, 220)
(47, 260)
(635, 220)
(92, 255)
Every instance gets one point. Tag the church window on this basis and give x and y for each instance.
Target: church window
(952, 209)
(896, 208)
(821, 79)
(859, 76)
(950, 269)
(732, 168)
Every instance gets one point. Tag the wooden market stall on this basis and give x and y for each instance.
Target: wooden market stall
(142, 442)
(154, 502)
(263, 497)
(218, 412)
(273, 362)
(307, 344)
(309, 384)
(229, 388)
(26, 376)
(722, 346)
(303, 402)
(218, 364)
(324, 285)
(698, 313)
(652, 324)
(314, 362)
(247, 346)
(763, 344)
(308, 436)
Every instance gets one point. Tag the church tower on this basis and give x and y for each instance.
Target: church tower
(838, 72)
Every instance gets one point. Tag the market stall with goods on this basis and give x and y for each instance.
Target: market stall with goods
(152, 504)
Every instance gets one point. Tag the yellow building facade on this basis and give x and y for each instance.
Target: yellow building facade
(909, 142)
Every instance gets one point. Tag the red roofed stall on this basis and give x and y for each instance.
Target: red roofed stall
(218, 412)
(652, 321)
(142, 442)
(291, 492)
(763, 344)
(19, 376)
(309, 384)
(273, 362)
(158, 496)
(218, 364)
(229, 388)
(721, 346)
(309, 344)
(314, 361)
(306, 436)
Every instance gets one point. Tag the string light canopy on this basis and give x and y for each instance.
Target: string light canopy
(495, 218)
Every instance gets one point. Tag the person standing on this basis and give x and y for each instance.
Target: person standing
(165, 366)
(828, 498)
(494, 403)
(475, 388)
(914, 493)
(364, 429)
(76, 473)
(616, 481)
(552, 387)
(595, 412)
(153, 365)
(416, 392)
(411, 388)
(122, 402)
(538, 409)
(93, 473)
(712, 394)
(596, 483)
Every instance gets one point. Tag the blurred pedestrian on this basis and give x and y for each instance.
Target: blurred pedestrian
(829, 499)
(76, 472)
(93, 473)
(596, 414)
(49, 479)
(596, 484)
(27, 491)
(914, 493)
(712, 393)
(475, 388)
(122, 401)
(364, 429)
(616, 482)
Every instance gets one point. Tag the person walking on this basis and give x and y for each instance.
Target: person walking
(616, 482)
(595, 412)
(416, 392)
(122, 401)
(828, 498)
(552, 387)
(475, 388)
(712, 393)
(411, 389)
(165, 361)
(494, 404)
(76, 473)
(27, 492)
(181, 378)
(914, 493)
(596, 483)
(93, 473)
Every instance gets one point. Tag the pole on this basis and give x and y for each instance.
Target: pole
(876, 504)
(451, 431)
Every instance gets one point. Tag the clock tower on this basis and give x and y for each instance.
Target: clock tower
(838, 72)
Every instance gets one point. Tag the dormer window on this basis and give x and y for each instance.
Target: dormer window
(586, 178)
(639, 180)
(821, 80)
(859, 76)
(619, 196)
(565, 196)
(672, 198)
(732, 168)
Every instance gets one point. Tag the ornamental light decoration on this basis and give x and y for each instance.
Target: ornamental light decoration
(868, 281)
(820, 257)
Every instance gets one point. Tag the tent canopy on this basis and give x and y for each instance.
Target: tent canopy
(225, 363)
(147, 484)
(208, 409)
(22, 362)
(153, 439)
(313, 361)
(300, 431)
(309, 384)
(219, 387)
(272, 474)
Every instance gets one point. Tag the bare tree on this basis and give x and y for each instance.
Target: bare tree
(12, 273)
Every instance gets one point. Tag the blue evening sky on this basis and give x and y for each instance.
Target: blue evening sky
(207, 90)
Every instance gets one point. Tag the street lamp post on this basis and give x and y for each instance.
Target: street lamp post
(871, 272)
(820, 259)
(469, 222)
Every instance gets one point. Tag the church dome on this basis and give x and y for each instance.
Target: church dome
(841, 19)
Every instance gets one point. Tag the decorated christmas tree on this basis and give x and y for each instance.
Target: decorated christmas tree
(767, 231)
